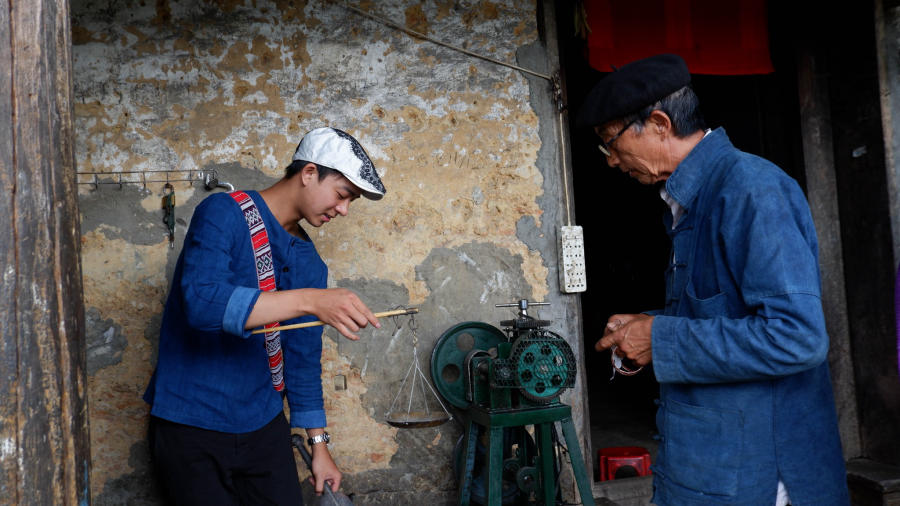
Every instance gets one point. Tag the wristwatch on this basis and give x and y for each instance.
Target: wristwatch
(321, 438)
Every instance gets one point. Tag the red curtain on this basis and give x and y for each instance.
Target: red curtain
(723, 37)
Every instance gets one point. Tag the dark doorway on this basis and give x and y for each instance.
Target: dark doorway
(626, 246)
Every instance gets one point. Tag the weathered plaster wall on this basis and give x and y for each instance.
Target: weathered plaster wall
(467, 149)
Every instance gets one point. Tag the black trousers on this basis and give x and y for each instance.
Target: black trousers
(199, 467)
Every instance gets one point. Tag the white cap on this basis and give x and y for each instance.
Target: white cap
(338, 150)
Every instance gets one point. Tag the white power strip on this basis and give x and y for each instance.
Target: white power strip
(572, 278)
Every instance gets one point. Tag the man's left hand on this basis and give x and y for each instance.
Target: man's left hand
(324, 469)
(631, 333)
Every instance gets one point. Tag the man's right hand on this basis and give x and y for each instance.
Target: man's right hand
(337, 307)
(343, 310)
(631, 334)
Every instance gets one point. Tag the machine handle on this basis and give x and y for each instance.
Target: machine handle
(522, 304)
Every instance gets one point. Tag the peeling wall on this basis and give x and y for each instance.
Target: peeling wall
(467, 149)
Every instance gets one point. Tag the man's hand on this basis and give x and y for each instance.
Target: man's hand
(343, 310)
(324, 469)
(631, 333)
(337, 307)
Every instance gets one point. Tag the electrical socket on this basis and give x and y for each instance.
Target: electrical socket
(572, 277)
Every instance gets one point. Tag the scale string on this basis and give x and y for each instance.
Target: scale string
(436, 396)
(412, 388)
(400, 390)
(416, 370)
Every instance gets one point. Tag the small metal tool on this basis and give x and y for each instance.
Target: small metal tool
(622, 365)
(168, 204)
(211, 181)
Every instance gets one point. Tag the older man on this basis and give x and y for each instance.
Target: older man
(746, 410)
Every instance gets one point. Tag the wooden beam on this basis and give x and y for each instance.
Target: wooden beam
(8, 380)
(888, 49)
(44, 438)
(822, 192)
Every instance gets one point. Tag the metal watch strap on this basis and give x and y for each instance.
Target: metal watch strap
(324, 437)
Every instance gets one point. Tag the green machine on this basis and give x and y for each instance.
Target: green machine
(501, 382)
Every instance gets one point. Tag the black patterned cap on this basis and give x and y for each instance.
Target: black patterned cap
(338, 150)
(633, 87)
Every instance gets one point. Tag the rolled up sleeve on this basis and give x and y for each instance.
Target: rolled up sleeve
(215, 298)
(238, 309)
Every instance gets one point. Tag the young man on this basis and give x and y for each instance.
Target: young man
(746, 411)
(218, 434)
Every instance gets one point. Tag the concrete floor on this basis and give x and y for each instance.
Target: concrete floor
(623, 414)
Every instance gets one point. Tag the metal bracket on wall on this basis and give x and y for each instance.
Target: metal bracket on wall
(209, 178)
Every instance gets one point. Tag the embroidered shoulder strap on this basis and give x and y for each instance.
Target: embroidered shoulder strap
(265, 273)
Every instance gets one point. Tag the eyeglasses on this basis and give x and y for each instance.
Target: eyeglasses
(604, 147)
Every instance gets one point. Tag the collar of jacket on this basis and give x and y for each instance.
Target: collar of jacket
(685, 182)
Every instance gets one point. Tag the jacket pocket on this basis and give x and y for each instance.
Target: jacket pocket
(706, 307)
(703, 447)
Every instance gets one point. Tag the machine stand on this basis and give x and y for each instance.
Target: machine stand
(542, 418)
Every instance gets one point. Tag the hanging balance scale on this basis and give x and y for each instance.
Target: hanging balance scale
(411, 407)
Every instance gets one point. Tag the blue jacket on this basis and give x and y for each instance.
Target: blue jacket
(211, 372)
(740, 348)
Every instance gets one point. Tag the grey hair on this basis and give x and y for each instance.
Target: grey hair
(683, 108)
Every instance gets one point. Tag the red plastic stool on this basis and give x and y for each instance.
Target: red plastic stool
(622, 462)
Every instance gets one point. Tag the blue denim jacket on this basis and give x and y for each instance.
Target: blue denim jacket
(211, 372)
(739, 350)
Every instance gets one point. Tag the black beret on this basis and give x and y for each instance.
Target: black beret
(633, 87)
